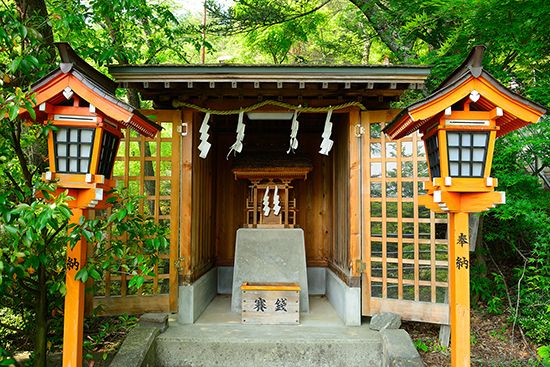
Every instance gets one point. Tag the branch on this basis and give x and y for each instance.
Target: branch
(13, 328)
(16, 139)
(510, 300)
(518, 298)
(10, 177)
(55, 233)
(244, 28)
(26, 287)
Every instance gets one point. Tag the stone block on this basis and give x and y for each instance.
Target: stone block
(269, 255)
(385, 320)
(194, 298)
(345, 300)
(138, 349)
(399, 350)
(159, 320)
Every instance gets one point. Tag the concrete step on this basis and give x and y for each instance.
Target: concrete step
(268, 346)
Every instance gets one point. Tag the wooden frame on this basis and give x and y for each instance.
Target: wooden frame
(161, 291)
(404, 247)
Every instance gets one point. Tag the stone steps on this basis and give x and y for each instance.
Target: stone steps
(268, 346)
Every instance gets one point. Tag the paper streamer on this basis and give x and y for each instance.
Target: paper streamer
(237, 146)
(327, 143)
(266, 202)
(276, 201)
(204, 146)
(293, 133)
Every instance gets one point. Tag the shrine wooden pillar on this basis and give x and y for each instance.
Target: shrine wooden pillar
(356, 130)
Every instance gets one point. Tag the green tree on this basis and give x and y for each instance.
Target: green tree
(34, 231)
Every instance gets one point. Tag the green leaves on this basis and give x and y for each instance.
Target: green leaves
(124, 242)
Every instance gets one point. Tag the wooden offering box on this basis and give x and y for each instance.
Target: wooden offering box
(270, 303)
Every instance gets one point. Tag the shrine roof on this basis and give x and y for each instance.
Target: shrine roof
(376, 86)
(219, 72)
(94, 86)
(469, 76)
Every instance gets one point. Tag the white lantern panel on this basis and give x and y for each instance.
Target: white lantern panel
(477, 169)
(74, 135)
(453, 168)
(467, 152)
(61, 134)
(84, 164)
(480, 140)
(62, 165)
(73, 150)
(479, 154)
(73, 165)
(465, 169)
(85, 151)
(454, 154)
(86, 136)
(453, 139)
(62, 149)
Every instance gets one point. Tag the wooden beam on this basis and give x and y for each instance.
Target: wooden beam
(411, 310)
(131, 304)
(186, 194)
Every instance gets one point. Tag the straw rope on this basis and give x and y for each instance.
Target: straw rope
(268, 102)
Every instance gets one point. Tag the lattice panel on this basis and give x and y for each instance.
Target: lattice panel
(406, 243)
(149, 168)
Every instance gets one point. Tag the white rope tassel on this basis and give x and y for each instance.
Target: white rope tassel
(266, 202)
(326, 144)
(293, 133)
(237, 147)
(204, 146)
(276, 201)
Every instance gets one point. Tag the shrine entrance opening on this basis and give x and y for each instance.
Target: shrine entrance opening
(265, 145)
(228, 192)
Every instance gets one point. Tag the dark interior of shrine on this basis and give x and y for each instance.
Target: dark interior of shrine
(219, 199)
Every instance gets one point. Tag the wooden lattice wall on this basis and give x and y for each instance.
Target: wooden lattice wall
(405, 245)
(149, 168)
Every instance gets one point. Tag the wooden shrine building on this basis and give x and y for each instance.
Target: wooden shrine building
(282, 147)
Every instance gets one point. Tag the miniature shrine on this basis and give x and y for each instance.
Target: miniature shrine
(270, 182)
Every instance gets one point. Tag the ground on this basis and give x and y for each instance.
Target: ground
(492, 343)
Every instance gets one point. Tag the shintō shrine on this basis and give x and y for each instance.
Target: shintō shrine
(283, 186)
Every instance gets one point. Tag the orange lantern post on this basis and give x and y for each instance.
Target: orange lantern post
(79, 102)
(459, 123)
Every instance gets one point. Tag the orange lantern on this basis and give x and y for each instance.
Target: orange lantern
(87, 120)
(459, 123)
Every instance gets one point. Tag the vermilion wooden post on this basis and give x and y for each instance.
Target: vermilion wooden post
(459, 289)
(73, 328)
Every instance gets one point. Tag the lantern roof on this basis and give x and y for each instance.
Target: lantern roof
(74, 75)
(468, 83)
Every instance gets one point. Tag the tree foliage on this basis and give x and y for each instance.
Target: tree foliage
(435, 32)
(35, 229)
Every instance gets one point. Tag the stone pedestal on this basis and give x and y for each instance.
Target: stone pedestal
(269, 255)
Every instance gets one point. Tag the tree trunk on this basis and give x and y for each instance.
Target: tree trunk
(41, 337)
(387, 32)
(37, 8)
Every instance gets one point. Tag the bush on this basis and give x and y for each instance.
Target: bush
(518, 233)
